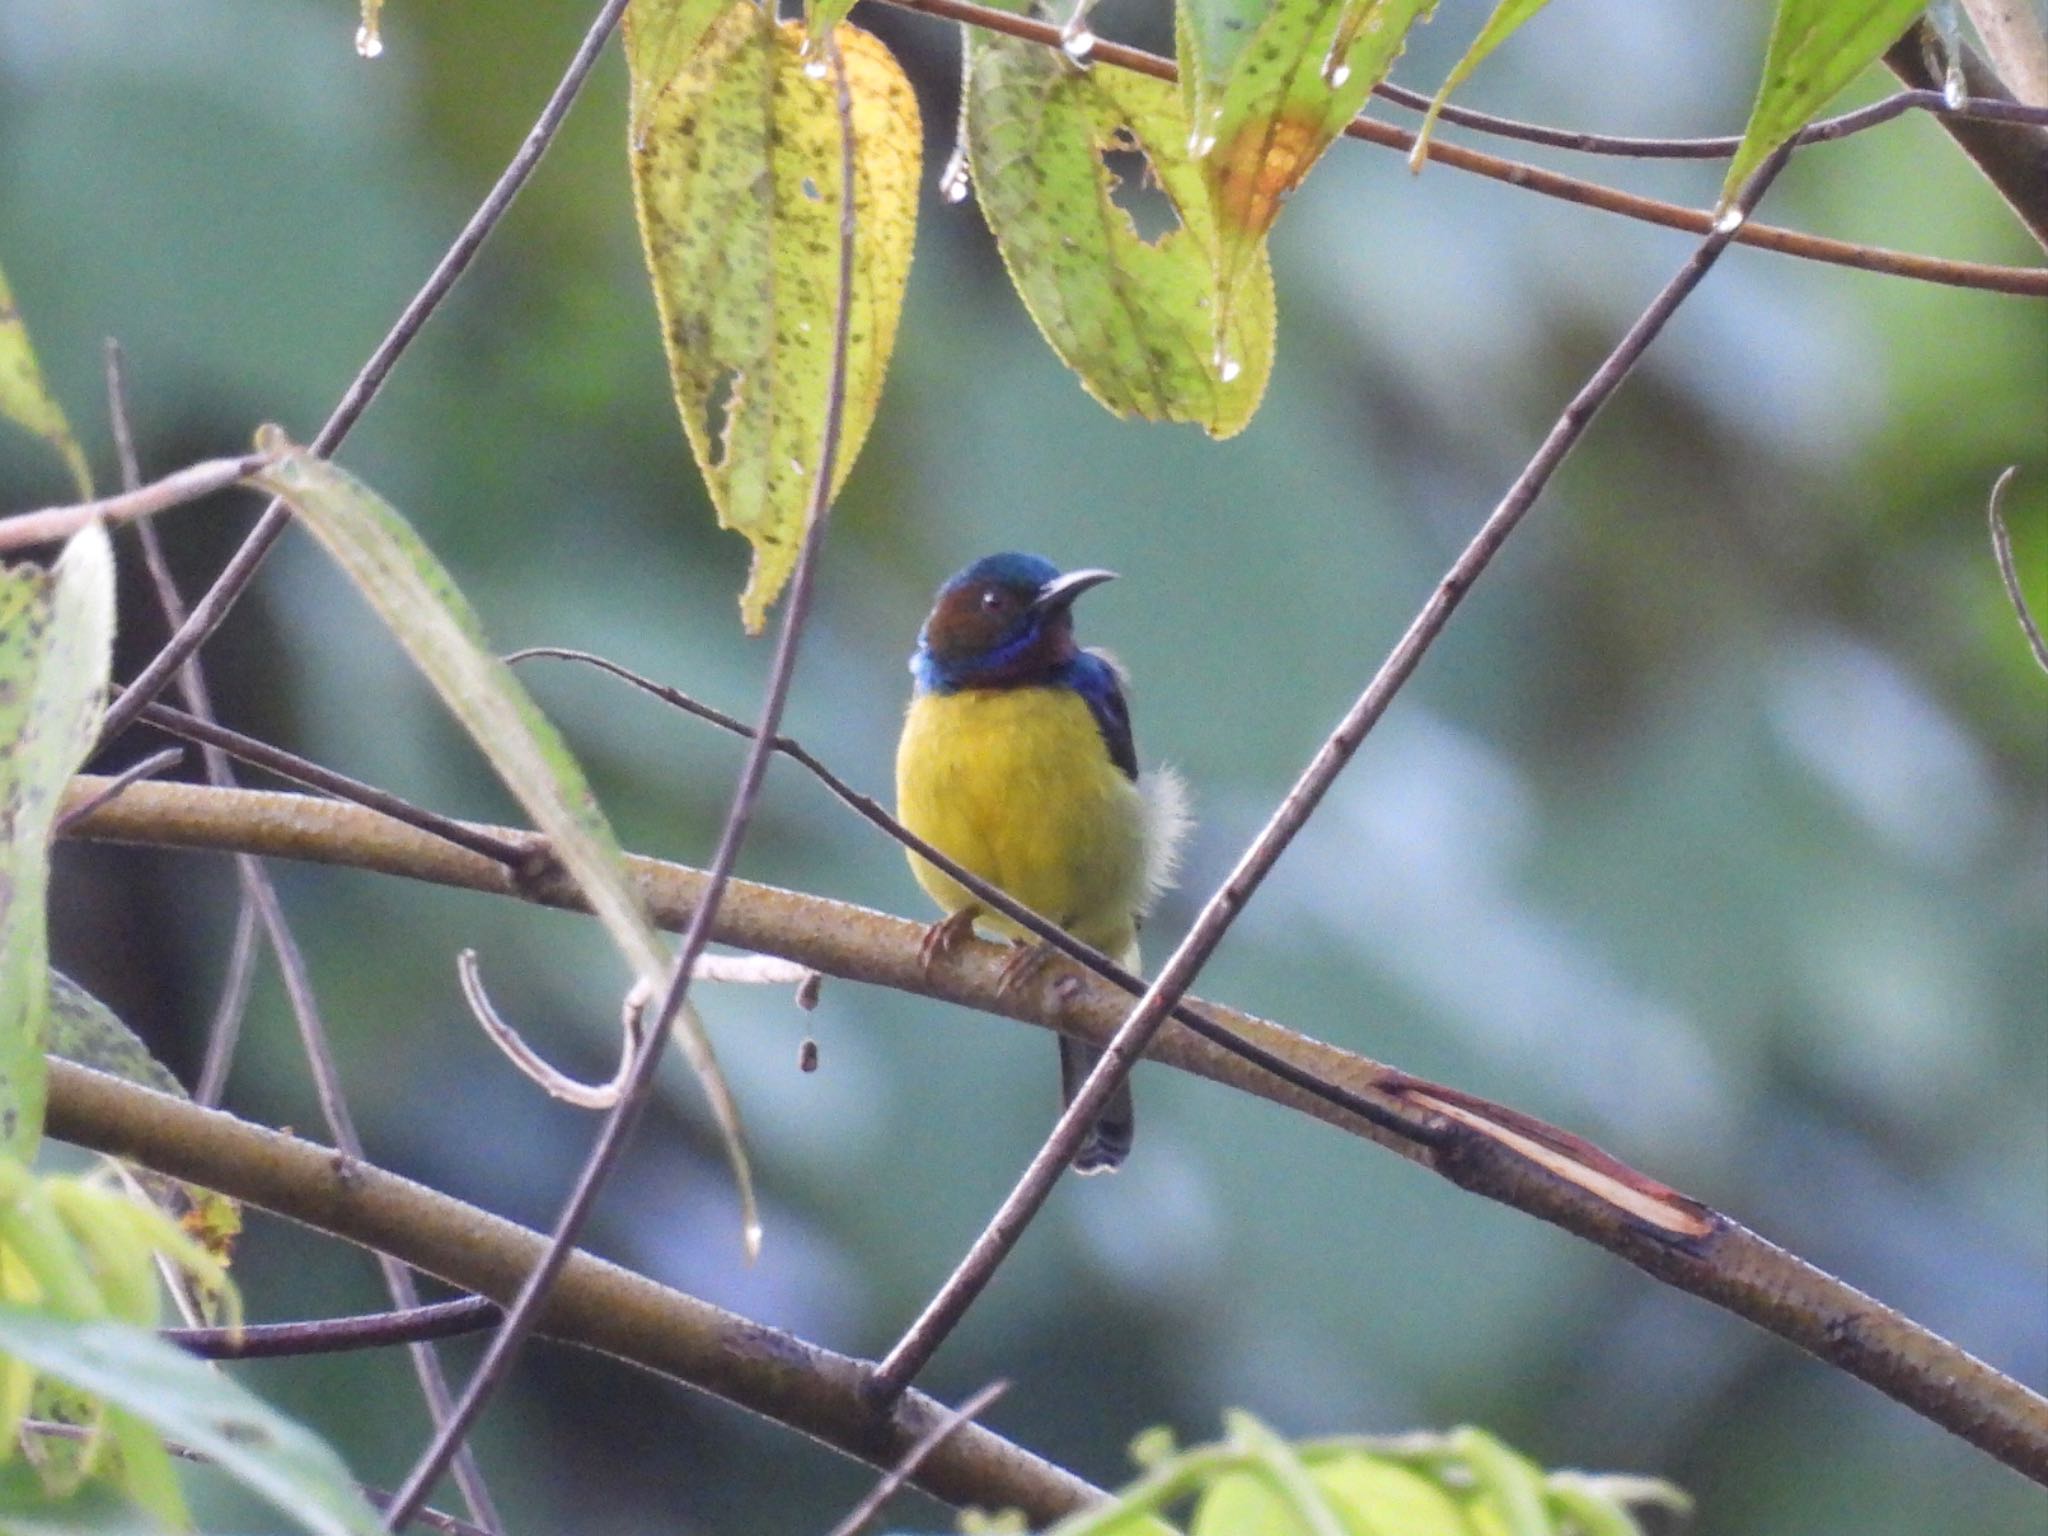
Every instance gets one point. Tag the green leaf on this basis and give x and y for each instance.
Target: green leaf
(1380, 1498)
(187, 1401)
(821, 16)
(1246, 1504)
(1816, 48)
(738, 176)
(26, 400)
(416, 598)
(1134, 318)
(56, 644)
(1506, 20)
(1509, 1485)
(28, 1509)
(85, 1030)
(1269, 87)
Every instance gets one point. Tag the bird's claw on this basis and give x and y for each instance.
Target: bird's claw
(944, 937)
(1027, 958)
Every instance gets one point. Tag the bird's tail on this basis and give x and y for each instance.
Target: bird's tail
(1109, 1139)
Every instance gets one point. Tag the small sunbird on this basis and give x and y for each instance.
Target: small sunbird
(1017, 763)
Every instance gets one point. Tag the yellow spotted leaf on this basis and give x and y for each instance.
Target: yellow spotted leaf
(738, 175)
(26, 400)
(1269, 85)
(1059, 158)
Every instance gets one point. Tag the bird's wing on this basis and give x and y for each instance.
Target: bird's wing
(1096, 678)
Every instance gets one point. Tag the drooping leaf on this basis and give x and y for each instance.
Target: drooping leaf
(1378, 1498)
(1816, 48)
(26, 400)
(56, 644)
(1269, 85)
(738, 171)
(1506, 20)
(185, 1400)
(419, 603)
(1133, 317)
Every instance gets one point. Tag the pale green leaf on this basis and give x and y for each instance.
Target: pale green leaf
(28, 1509)
(1816, 48)
(1506, 20)
(1381, 1498)
(1134, 318)
(85, 1030)
(738, 173)
(821, 16)
(56, 644)
(1509, 1485)
(26, 400)
(419, 603)
(1269, 88)
(186, 1400)
(1246, 1504)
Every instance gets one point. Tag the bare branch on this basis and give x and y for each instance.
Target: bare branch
(597, 1305)
(332, 1335)
(901, 1473)
(240, 570)
(147, 768)
(1571, 1184)
(2001, 551)
(195, 481)
(555, 1084)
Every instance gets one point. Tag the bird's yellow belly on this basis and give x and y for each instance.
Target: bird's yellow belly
(1016, 785)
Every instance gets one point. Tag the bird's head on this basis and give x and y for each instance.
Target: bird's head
(1004, 621)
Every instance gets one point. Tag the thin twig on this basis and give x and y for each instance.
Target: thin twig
(260, 896)
(913, 1458)
(1589, 1195)
(212, 609)
(2024, 281)
(148, 768)
(332, 1335)
(525, 1311)
(511, 852)
(224, 1030)
(191, 483)
(1630, 147)
(949, 1304)
(1343, 1096)
(2001, 551)
(555, 1084)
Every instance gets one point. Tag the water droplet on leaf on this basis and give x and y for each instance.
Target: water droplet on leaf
(369, 42)
(953, 179)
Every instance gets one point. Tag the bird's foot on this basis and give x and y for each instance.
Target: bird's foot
(944, 937)
(1027, 958)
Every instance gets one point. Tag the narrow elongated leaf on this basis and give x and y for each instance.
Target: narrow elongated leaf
(1506, 20)
(56, 644)
(1133, 317)
(186, 1400)
(26, 399)
(1816, 48)
(738, 172)
(419, 603)
(1269, 87)
(821, 16)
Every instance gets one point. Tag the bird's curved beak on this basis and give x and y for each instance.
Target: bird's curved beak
(1061, 591)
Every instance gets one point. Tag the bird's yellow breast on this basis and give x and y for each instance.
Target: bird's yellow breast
(1017, 785)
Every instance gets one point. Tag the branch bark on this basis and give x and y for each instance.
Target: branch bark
(594, 1304)
(1482, 1147)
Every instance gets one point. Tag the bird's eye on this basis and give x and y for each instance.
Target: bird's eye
(991, 599)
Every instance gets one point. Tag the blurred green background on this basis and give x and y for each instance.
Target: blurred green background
(1715, 828)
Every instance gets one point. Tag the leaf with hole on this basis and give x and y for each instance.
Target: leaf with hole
(1104, 225)
(738, 170)
(56, 645)
(188, 1401)
(26, 400)
(1506, 20)
(1268, 88)
(1817, 47)
(420, 604)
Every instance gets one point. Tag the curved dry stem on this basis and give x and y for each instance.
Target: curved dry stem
(594, 1304)
(1506, 1157)
(554, 1083)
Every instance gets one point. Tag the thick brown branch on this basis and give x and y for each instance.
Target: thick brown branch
(1489, 1150)
(597, 1305)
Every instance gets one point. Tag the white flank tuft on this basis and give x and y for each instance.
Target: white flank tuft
(1167, 821)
